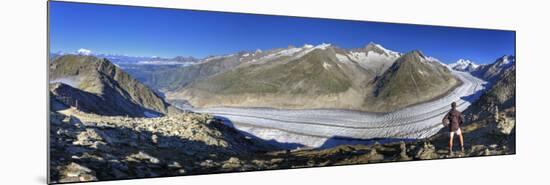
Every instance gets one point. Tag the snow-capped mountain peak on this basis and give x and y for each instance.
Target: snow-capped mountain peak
(390, 52)
(464, 65)
(506, 59)
(463, 62)
(322, 46)
(83, 51)
(379, 49)
(307, 46)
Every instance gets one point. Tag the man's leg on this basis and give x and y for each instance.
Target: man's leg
(451, 134)
(459, 132)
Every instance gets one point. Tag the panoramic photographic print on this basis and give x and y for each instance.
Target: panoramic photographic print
(139, 92)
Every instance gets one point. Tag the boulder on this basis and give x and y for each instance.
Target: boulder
(144, 156)
(87, 137)
(427, 151)
(504, 125)
(374, 156)
(403, 154)
(232, 163)
(76, 172)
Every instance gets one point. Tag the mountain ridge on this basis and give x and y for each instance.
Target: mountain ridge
(322, 76)
(106, 84)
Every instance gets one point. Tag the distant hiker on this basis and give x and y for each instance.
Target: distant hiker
(454, 119)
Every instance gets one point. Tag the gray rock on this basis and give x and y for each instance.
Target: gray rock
(144, 156)
(182, 171)
(154, 138)
(75, 172)
(174, 164)
(208, 163)
(232, 163)
(427, 152)
(375, 156)
(504, 125)
(87, 137)
(403, 154)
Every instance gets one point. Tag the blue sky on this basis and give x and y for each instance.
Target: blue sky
(167, 33)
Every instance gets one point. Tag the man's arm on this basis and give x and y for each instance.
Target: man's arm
(445, 120)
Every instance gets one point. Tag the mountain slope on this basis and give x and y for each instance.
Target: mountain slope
(315, 79)
(493, 72)
(178, 144)
(91, 79)
(412, 78)
(374, 58)
(169, 77)
(324, 76)
(501, 95)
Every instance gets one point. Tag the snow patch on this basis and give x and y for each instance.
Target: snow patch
(322, 46)
(326, 65)
(432, 59)
(359, 55)
(83, 51)
(464, 65)
(218, 57)
(421, 72)
(506, 60)
(342, 58)
(71, 81)
(307, 46)
(286, 52)
(387, 51)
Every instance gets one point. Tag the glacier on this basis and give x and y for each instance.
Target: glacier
(314, 127)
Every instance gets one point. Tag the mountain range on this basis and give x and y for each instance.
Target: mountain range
(322, 76)
(371, 78)
(494, 71)
(96, 85)
(490, 72)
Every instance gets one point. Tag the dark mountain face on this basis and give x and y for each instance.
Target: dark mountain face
(501, 95)
(495, 112)
(101, 86)
(493, 72)
(113, 105)
(412, 78)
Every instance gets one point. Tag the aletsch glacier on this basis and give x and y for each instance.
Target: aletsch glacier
(314, 127)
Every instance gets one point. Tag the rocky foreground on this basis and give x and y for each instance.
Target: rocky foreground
(89, 147)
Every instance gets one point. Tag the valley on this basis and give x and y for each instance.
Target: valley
(313, 127)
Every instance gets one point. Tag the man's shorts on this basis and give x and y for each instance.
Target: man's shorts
(457, 132)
